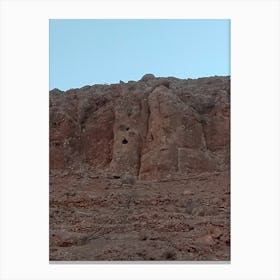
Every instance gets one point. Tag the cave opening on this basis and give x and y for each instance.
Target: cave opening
(124, 141)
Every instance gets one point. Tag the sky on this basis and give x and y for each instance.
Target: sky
(86, 52)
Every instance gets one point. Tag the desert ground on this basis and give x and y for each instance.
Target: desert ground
(113, 219)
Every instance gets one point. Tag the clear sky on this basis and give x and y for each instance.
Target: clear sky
(87, 52)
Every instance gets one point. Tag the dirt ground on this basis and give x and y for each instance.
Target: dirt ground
(97, 218)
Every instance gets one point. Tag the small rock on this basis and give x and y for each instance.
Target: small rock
(215, 201)
(189, 207)
(205, 240)
(187, 192)
(217, 232)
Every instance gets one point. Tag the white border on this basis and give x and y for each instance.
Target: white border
(255, 137)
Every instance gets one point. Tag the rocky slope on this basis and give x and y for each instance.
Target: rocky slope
(140, 170)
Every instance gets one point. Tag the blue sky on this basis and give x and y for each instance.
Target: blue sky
(87, 52)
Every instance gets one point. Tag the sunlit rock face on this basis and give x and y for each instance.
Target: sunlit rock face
(153, 129)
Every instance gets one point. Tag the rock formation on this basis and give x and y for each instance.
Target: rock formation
(153, 129)
(139, 171)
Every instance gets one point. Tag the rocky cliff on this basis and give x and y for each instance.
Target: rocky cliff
(139, 171)
(153, 129)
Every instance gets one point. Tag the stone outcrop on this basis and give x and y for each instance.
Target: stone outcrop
(153, 129)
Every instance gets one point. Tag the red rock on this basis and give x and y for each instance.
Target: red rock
(154, 129)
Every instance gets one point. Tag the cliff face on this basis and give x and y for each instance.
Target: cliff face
(153, 129)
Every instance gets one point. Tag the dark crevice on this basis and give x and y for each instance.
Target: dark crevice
(56, 144)
(204, 135)
(177, 162)
(146, 134)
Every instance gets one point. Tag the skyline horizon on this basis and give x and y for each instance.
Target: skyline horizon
(115, 83)
(104, 51)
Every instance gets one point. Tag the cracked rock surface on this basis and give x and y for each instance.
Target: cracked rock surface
(140, 170)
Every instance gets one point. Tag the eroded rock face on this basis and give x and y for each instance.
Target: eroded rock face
(153, 129)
